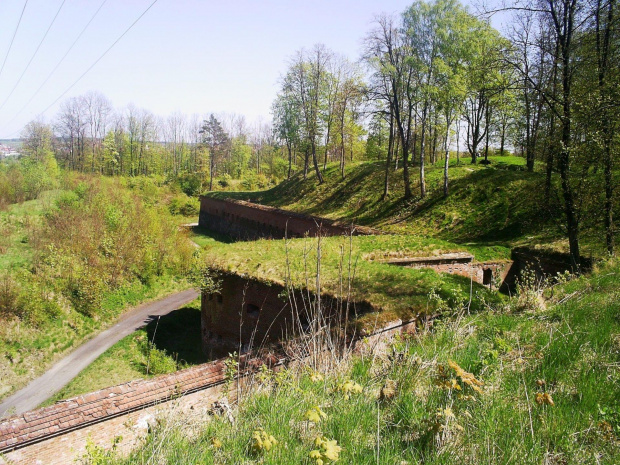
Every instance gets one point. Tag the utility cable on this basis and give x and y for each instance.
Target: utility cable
(100, 57)
(33, 55)
(59, 63)
(14, 34)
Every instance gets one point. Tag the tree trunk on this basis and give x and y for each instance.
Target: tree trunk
(422, 140)
(446, 162)
(306, 162)
(211, 169)
(388, 161)
(290, 160)
(315, 161)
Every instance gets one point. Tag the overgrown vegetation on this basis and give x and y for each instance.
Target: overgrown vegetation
(74, 258)
(394, 292)
(509, 385)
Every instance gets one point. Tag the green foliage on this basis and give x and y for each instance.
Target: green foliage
(184, 205)
(255, 181)
(190, 183)
(26, 178)
(547, 391)
(158, 361)
(74, 259)
(224, 180)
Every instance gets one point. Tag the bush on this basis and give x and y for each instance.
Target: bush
(10, 305)
(183, 205)
(255, 181)
(190, 184)
(86, 293)
(225, 180)
(158, 361)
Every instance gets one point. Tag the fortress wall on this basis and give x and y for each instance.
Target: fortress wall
(247, 313)
(248, 221)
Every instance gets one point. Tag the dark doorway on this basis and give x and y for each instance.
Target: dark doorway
(487, 277)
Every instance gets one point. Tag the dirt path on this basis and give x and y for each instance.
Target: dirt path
(59, 375)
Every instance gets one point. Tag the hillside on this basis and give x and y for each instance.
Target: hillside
(500, 202)
(532, 381)
(77, 257)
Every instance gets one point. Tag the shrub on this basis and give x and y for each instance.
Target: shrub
(158, 361)
(224, 180)
(86, 293)
(190, 184)
(10, 305)
(184, 205)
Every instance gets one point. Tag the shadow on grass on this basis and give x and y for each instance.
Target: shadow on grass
(178, 333)
(203, 234)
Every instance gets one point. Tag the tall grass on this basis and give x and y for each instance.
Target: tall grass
(506, 386)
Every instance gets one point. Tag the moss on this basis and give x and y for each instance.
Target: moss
(399, 292)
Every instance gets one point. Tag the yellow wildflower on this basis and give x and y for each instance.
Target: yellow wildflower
(315, 415)
(262, 441)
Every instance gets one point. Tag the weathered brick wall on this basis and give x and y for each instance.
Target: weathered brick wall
(493, 274)
(248, 221)
(59, 433)
(247, 313)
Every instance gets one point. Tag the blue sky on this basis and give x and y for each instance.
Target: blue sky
(189, 56)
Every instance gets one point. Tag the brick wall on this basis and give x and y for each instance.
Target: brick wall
(59, 433)
(493, 274)
(248, 221)
(247, 313)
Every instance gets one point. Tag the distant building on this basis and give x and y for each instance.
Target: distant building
(6, 151)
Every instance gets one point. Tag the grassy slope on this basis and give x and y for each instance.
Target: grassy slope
(498, 203)
(18, 224)
(567, 353)
(399, 292)
(28, 351)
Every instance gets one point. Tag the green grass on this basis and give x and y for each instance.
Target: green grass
(205, 238)
(175, 338)
(566, 355)
(43, 316)
(30, 350)
(500, 202)
(19, 225)
(395, 292)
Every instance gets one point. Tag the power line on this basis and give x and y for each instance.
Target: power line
(33, 55)
(100, 57)
(59, 63)
(14, 34)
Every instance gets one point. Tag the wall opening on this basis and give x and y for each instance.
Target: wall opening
(487, 276)
(252, 310)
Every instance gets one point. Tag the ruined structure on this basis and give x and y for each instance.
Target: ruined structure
(249, 221)
(246, 313)
(494, 274)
